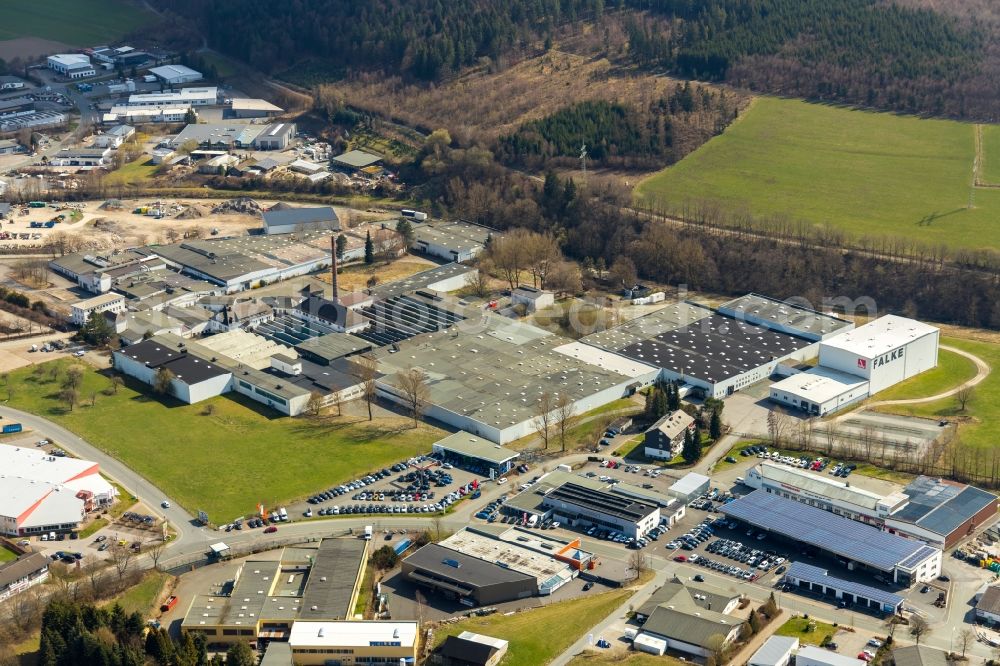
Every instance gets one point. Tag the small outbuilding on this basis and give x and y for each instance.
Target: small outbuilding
(531, 298)
(469, 649)
(776, 651)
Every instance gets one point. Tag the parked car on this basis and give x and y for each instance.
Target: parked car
(270, 529)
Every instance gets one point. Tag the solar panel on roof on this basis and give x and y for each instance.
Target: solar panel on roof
(836, 534)
(811, 574)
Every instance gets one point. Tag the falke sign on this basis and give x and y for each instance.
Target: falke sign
(881, 360)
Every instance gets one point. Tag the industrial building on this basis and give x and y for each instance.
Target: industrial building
(315, 643)
(175, 75)
(475, 454)
(861, 362)
(687, 618)
(785, 316)
(487, 377)
(138, 115)
(704, 350)
(936, 511)
(42, 493)
(243, 107)
(359, 160)
(183, 97)
(815, 579)
(26, 571)
(83, 157)
(903, 561)
(776, 651)
(483, 566)
(296, 220)
(470, 649)
(810, 655)
(454, 241)
(240, 361)
(268, 597)
(665, 438)
(115, 136)
(71, 65)
(691, 486)
(238, 264)
(80, 312)
(583, 502)
(531, 299)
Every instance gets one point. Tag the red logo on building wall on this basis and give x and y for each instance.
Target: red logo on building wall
(862, 363)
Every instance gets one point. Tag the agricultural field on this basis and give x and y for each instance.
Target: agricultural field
(538, 635)
(868, 174)
(71, 22)
(256, 449)
(989, 167)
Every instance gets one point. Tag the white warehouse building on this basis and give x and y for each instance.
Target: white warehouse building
(860, 363)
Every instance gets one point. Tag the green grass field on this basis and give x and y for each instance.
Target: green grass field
(951, 371)
(73, 22)
(983, 409)
(865, 173)
(538, 635)
(7, 555)
(798, 627)
(140, 597)
(133, 173)
(226, 462)
(990, 166)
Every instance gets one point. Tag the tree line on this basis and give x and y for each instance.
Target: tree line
(424, 39)
(619, 135)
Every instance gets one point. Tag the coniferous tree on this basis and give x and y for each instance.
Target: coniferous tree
(369, 248)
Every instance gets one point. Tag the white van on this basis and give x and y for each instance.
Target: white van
(532, 521)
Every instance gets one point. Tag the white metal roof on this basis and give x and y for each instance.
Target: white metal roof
(55, 504)
(332, 634)
(827, 657)
(67, 59)
(208, 94)
(819, 384)
(774, 651)
(98, 301)
(174, 71)
(880, 336)
(691, 482)
(820, 485)
(606, 359)
(35, 464)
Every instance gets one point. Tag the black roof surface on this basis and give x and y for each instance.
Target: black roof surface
(714, 348)
(337, 376)
(598, 500)
(470, 571)
(463, 651)
(189, 369)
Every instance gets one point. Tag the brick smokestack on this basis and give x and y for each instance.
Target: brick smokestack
(333, 268)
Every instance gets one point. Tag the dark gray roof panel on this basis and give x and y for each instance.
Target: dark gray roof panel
(470, 571)
(836, 534)
(809, 573)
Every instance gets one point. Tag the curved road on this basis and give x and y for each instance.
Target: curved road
(982, 372)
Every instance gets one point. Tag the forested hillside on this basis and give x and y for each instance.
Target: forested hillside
(876, 53)
(617, 135)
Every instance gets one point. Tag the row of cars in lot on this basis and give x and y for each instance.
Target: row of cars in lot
(694, 537)
(752, 557)
(365, 507)
(842, 470)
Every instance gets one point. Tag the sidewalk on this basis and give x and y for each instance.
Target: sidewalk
(743, 656)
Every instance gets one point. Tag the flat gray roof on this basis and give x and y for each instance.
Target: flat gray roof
(470, 571)
(467, 444)
(421, 280)
(357, 159)
(785, 313)
(333, 346)
(332, 579)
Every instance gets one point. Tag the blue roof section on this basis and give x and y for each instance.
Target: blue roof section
(949, 516)
(811, 574)
(913, 560)
(816, 527)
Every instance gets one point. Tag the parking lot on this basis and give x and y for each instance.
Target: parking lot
(420, 485)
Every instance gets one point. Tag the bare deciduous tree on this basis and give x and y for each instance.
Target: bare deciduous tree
(965, 637)
(544, 417)
(121, 558)
(365, 369)
(918, 628)
(116, 381)
(565, 417)
(963, 396)
(413, 385)
(315, 404)
(155, 552)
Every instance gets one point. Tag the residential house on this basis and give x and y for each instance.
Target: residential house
(665, 439)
